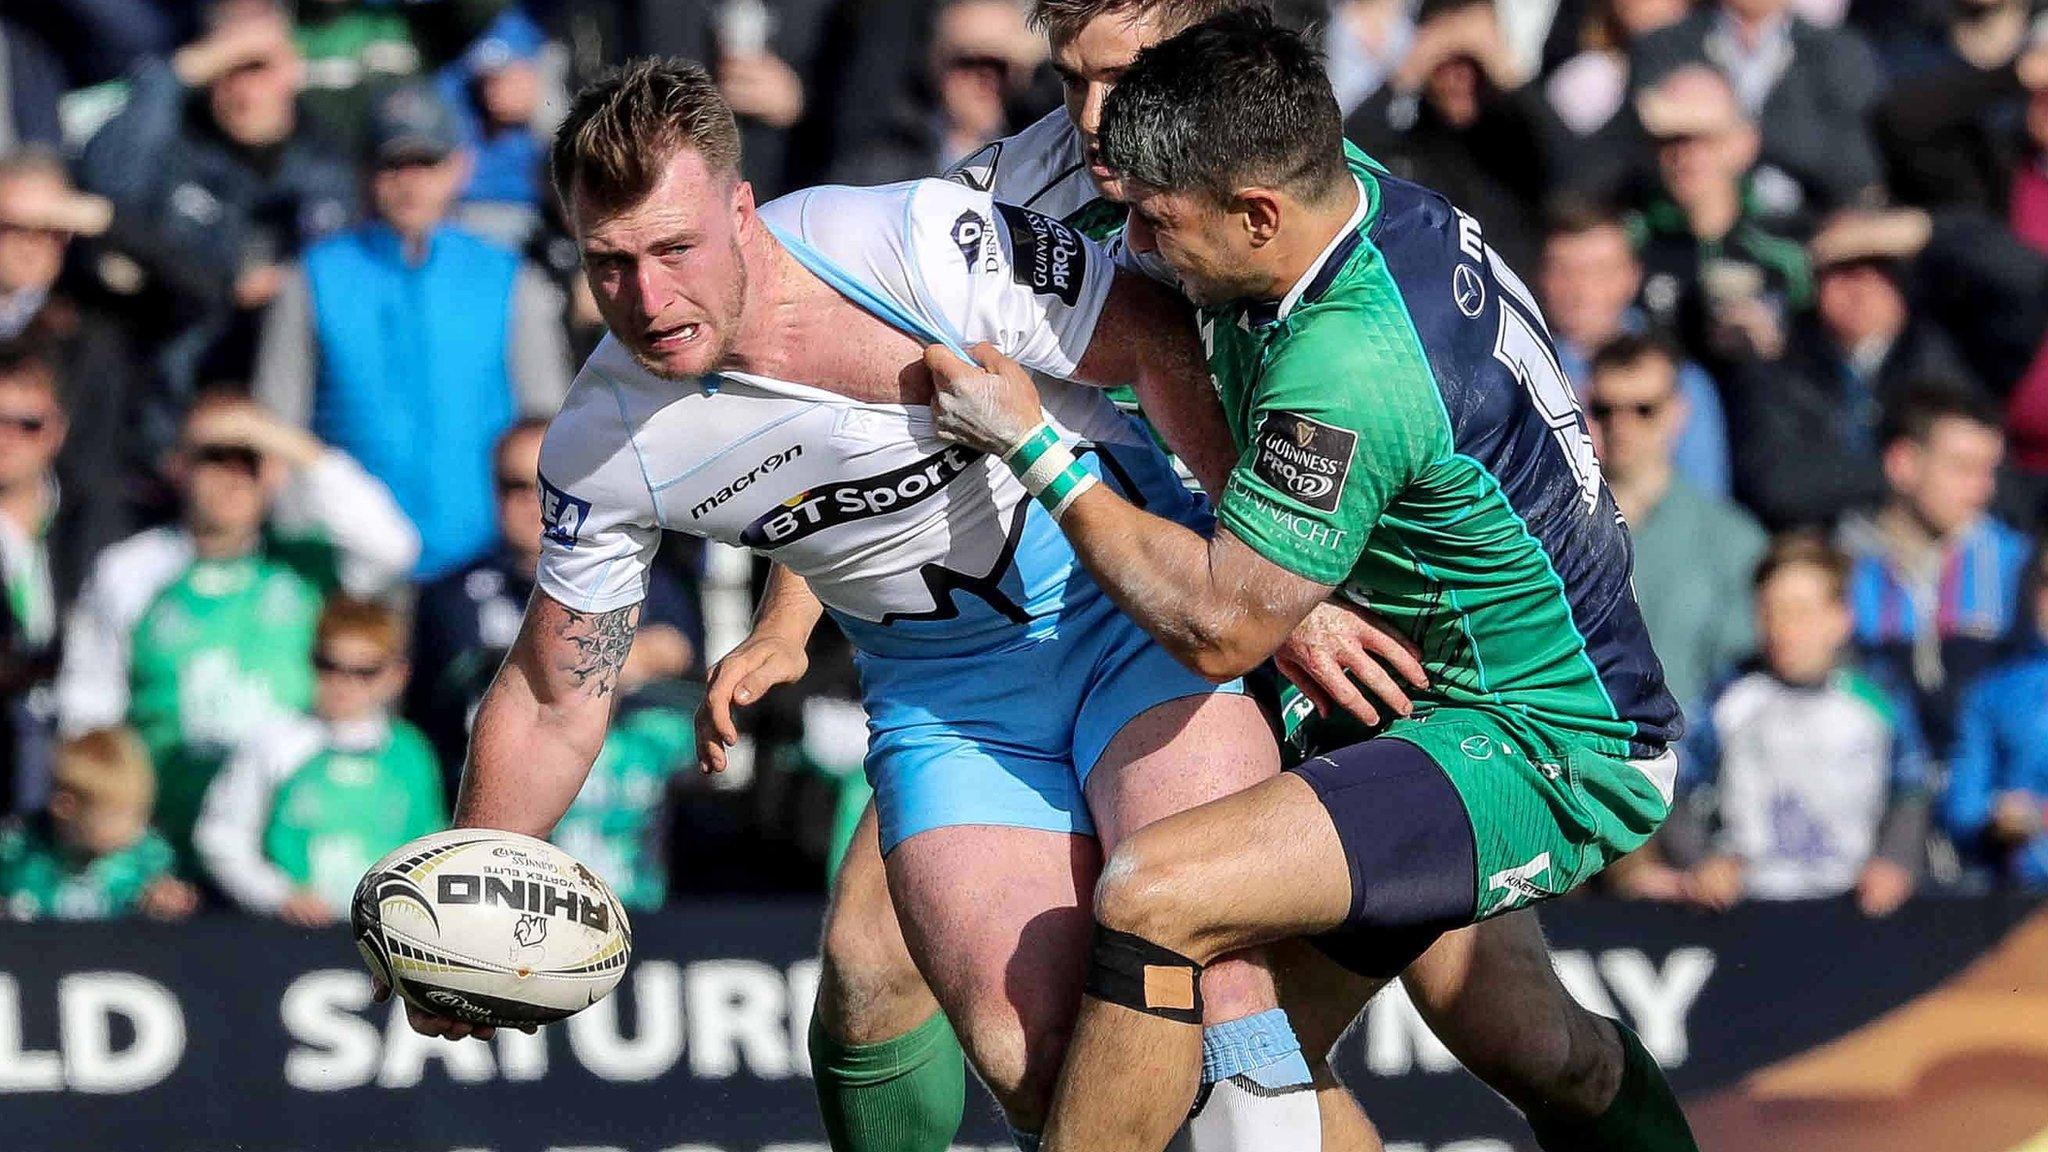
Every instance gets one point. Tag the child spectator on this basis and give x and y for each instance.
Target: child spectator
(91, 855)
(1804, 778)
(197, 633)
(310, 802)
(1997, 803)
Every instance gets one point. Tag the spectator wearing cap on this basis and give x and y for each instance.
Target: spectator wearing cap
(1808, 90)
(1458, 117)
(1808, 426)
(495, 90)
(1589, 277)
(216, 184)
(1996, 806)
(1936, 579)
(1715, 275)
(410, 343)
(982, 56)
(89, 348)
(1694, 551)
(1974, 133)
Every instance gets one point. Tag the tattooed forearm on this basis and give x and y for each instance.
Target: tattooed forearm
(600, 642)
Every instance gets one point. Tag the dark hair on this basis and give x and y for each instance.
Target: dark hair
(1571, 215)
(1927, 404)
(1062, 20)
(1627, 351)
(523, 426)
(624, 127)
(1796, 548)
(1232, 102)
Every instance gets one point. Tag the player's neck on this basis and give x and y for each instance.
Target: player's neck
(771, 323)
(1300, 247)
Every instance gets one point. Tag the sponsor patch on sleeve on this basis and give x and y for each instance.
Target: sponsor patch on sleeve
(562, 516)
(1046, 256)
(1306, 459)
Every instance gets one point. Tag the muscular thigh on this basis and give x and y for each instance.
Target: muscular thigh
(1178, 755)
(997, 919)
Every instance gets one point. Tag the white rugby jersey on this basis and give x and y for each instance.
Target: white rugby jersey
(1041, 168)
(885, 521)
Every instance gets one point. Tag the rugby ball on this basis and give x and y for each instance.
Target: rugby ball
(491, 928)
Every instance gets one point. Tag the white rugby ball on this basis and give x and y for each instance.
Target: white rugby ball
(491, 928)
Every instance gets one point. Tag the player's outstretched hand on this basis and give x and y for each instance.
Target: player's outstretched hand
(427, 1024)
(761, 661)
(991, 405)
(1339, 648)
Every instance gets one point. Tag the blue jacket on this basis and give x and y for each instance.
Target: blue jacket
(413, 377)
(2002, 746)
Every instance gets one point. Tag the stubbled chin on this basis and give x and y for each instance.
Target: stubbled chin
(677, 368)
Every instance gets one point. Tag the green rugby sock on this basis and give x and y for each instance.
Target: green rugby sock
(904, 1094)
(1644, 1117)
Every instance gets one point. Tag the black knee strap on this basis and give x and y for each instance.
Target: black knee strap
(1136, 973)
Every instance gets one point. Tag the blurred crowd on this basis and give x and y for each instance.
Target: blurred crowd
(285, 305)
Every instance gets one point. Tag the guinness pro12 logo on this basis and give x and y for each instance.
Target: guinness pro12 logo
(1306, 459)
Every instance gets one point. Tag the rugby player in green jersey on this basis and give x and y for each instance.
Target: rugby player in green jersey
(1407, 441)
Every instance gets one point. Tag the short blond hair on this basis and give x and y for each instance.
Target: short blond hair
(107, 764)
(625, 126)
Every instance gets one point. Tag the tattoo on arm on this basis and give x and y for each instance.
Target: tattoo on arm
(601, 641)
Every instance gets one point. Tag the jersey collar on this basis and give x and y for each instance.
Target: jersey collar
(1316, 280)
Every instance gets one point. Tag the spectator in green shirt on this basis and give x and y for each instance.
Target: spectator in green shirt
(310, 802)
(92, 855)
(1694, 551)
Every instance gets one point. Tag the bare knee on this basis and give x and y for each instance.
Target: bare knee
(1152, 889)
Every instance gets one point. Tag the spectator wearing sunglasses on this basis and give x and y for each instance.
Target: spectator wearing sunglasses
(467, 619)
(51, 526)
(44, 303)
(310, 801)
(198, 633)
(1694, 551)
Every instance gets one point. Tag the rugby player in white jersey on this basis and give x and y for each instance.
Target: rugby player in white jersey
(763, 385)
(1488, 991)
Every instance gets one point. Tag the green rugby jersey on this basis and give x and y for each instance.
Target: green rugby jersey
(343, 809)
(39, 880)
(1409, 437)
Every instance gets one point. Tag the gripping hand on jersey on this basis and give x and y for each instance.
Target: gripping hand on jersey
(990, 406)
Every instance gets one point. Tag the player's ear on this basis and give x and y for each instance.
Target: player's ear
(1260, 210)
(742, 204)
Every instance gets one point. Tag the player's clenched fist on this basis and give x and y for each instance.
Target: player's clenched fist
(991, 406)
